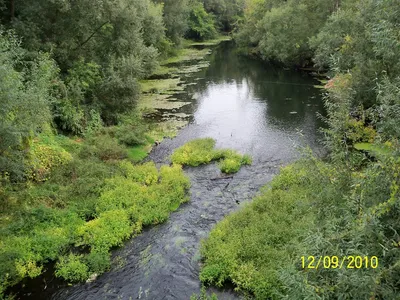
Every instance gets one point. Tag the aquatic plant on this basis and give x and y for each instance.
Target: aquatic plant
(202, 151)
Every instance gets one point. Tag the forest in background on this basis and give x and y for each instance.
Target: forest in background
(70, 73)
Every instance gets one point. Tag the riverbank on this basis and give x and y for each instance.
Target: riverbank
(58, 215)
(238, 103)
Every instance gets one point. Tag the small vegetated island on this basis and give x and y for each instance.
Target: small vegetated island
(202, 151)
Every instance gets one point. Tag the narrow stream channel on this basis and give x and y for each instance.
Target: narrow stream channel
(243, 104)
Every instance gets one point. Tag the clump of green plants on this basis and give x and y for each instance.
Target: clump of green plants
(202, 151)
(72, 268)
(138, 196)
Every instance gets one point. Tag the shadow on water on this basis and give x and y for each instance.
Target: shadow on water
(245, 105)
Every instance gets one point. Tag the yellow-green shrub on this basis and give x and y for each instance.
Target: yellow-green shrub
(110, 229)
(250, 246)
(43, 158)
(72, 268)
(146, 173)
(146, 199)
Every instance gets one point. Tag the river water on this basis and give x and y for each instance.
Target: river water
(243, 104)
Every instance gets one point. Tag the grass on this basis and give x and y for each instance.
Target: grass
(201, 151)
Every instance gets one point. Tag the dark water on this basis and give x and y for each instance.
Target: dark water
(245, 105)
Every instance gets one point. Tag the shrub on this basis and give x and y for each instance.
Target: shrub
(103, 147)
(201, 24)
(146, 198)
(110, 229)
(98, 262)
(72, 268)
(250, 246)
(43, 158)
(145, 174)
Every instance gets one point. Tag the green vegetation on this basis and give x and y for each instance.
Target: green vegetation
(79, 207)
(201, 151)
(73, 79)
(311, 209)
(203, 295)
(348, 203)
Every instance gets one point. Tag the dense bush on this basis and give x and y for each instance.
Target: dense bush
(280, 31)
(72, 268)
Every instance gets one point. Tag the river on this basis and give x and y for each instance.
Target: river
(243, 104)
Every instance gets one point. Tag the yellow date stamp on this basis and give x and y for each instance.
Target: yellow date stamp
(336, 262)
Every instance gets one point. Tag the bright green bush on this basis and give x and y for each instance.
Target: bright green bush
(110, 229)
(201, 151)
(146, 173)
(201, 24)
(231, 162)
(148, 196)
(72, 268)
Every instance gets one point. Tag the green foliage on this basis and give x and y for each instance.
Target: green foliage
(103, 147)
(360, 39)
(110, 229)
(176, 14)
(148, 195)
(311, 209)
(201, 24)
(144, 174)
(231, 162)
(194, 153)
(227, 12)
(102, 51)
(25, 92)
(280, 31)
(249, 247)
(98, 262)
(43, 158)
(201, 151)
(203, 296)
(72, 268)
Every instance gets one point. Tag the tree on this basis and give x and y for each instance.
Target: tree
(175, 15)
(25, 97)
(201, 24)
